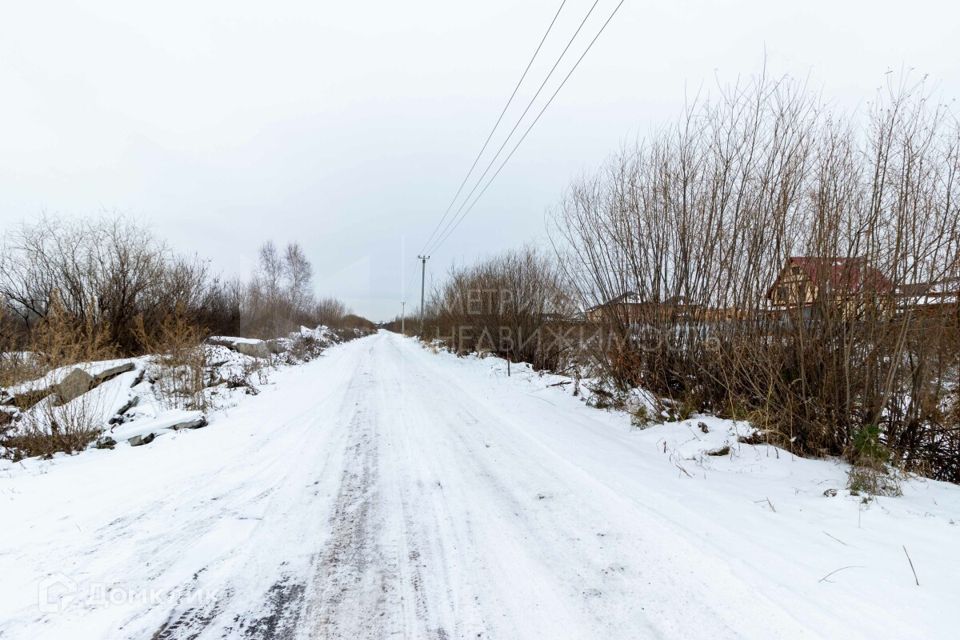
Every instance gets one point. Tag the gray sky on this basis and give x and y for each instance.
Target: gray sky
(348, 126)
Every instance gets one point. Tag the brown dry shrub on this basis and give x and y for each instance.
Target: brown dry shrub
(179, 366)
(16, 367)
(304, 348)
(764, 257)
(60, 340)
(50, 429)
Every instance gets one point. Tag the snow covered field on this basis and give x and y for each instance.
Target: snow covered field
(386, 491)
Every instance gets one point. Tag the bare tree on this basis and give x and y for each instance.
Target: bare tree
(330, 312)
(103, 272)
(696, 225)
(299, 273)
(511, 305)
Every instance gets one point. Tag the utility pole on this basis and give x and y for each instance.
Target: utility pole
(423, 274)
(403, 318)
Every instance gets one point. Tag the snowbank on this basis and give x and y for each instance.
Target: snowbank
(134, 400)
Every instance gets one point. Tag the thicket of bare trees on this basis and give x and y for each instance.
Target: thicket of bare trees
(102, 274)
(279, 298)
(699, 221)
(113, 288)
(509, 305)
(76, 291)
(330, 312)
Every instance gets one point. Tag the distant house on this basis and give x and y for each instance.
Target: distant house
(847, 282)
(629, 308)
(622, 306)
(934, 297)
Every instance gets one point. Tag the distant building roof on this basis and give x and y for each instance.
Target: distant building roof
(629, 297)
(937, 292)
(849, 275)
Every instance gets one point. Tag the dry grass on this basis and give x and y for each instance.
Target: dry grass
(50, 429)
(178, 370)
(17, 366)
(872, 481)
(57, 341)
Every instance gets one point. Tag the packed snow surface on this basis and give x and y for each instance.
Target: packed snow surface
(384, 490)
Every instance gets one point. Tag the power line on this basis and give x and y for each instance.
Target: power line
(522, 116)
(495, 126)
(457, 220)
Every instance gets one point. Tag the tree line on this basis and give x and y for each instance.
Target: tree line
(694, 227)
(113, 286)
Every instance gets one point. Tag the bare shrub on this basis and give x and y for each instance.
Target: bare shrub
(51, 428)
(104, 274)
(304, 348)
(60, 339)
(330, 312)
(179, 366)
(16, 364)
(355, 322)
(506, 305)
(692, 235)
(99, 274)
(221, 310)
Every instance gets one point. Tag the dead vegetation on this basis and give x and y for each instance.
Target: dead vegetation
(698, 222)
(179, 361)
(512, 305)
(67, 428)
(95, 289)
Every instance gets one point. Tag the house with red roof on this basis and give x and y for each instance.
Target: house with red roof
(806, 281)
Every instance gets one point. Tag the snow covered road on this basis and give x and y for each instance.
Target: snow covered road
(384, 491)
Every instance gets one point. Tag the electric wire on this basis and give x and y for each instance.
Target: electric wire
(486, 143)
(457, 220)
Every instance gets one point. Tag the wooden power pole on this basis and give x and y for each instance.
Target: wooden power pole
(423, 272)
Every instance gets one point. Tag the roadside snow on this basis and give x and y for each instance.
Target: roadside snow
(234, 340)
(57, 375)
(132, 405)
(386, 491)
(163, 424)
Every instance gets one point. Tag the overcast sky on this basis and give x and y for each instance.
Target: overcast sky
(348, 126)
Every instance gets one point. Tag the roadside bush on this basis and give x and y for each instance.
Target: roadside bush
(640, 417)
(74, 291)
(512, 305)
(96, 274)
(16, 366)
(60, 339)
(179, 364)
(304, 348)
(120, 283)
(330, 312)
(52, 428)
(353, 321)
(686, 236)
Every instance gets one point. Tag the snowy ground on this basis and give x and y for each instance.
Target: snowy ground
(386, 491)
